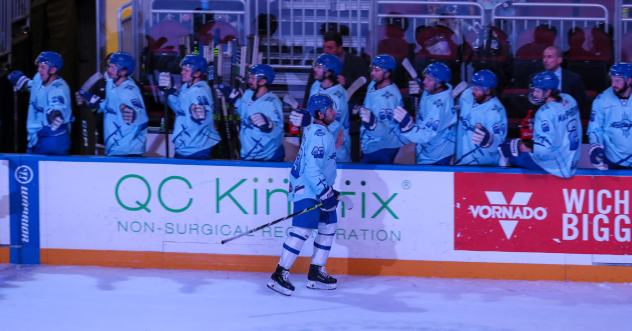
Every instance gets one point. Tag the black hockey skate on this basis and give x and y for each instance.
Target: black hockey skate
(280, 281)
(318, 279)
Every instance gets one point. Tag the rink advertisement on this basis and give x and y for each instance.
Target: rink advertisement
(534, 213)
(5, 220)
(190, 208)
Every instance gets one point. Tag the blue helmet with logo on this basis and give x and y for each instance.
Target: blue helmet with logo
(439, 71)
(385, 62)
(621, 69)
(546, 80)
(319, 102)
(195, 62)
(330, 62)
(51, 58)
(123, 60)
(263, 71)
(485, 79)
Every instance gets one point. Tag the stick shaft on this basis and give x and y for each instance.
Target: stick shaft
(272, 223)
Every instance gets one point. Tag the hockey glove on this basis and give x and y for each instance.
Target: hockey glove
(129, 115)
(262, 122)
(597, 156)
(79, 99)
(401, 116)
(18, 80)
(329, 199)
(198, 113)
(300, 117)
(231, 94)
(482, 136)
(54, 119)
(165, 83)
(355, 109)
(368, 119)
(93, 100)
(413, 87)
(510, 148)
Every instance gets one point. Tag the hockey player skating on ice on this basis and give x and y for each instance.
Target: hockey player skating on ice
(261, 112)
(380, 136)
(327, 69)
(50, 112)
(194, 132)
(433, 131)
(482, 122)
(557, 131)
(125, 119)
(311, 182)
(609, 126)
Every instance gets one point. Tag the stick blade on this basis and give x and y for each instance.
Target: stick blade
(290, 101)
(355, 86)
(409, 67)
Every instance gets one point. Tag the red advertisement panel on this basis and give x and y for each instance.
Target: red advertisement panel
(538, 213)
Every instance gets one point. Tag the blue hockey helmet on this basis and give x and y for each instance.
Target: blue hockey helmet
(195, 62)
(51, 58)
(485, 79)
(621, 69)
(330, 62)
(263, 71)
(546, 80)
(385, 62)
(123, 60)
(319, 102)
(439, 71)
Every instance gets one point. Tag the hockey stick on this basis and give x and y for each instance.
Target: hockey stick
(91, 81)
(413, 74)
(342, 198)
(458, 90)
(290, 101)
(218, 57)
(355, 86)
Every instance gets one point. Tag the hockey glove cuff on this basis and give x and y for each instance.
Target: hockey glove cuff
(329, 199)
(597, 156)
(510, 148)
(401, 116)
(482, 136)
(262, 122)
(368, 119)
(18, 80)
(93, 100)
(231, 94)
(300, 117)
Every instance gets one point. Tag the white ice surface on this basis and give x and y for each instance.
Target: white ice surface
(94, 298)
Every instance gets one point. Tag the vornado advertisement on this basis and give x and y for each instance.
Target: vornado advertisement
(190, 209)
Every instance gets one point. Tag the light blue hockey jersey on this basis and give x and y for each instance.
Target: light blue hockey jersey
(339, 95)
(189, 135)
(557, 137)
(610, 124)
(315, 166)
(492, 116)
(256, 144)
(122, 138)
(44, 100)
(435, 127)
(387, 133)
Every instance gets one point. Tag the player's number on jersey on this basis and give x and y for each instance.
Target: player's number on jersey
(296, 168)
(573, 137)
(318, 152)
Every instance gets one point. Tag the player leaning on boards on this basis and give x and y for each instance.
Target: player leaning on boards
(50, 113)
(261, 112)
(434, 130)
(193, 132)
(327, 69)
(125, 119)
(311, 182)
(482, 122)
(557, 131)
(609, 126)
(380, 135)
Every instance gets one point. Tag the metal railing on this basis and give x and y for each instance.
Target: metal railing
(533, 21)
(425, 19)
(5, 27)
(20, 9)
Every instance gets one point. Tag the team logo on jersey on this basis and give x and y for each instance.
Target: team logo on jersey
(338, 94)
(499, 128)
(319, 133)
(625, 124)
(57, 84)
(269, 99)
(136, 103)
(203, 101)
(58, 99)
(432, 125)
(387, 95)
(128, 87)
(438, 103)
(545, 126)
(386, 114)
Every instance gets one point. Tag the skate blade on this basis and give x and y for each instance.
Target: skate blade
(320, 286)
(278, 288)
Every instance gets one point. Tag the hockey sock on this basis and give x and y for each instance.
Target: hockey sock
(323, 242)
(293, 245)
